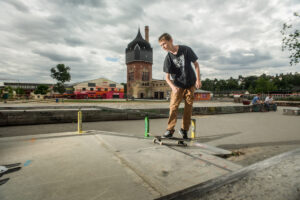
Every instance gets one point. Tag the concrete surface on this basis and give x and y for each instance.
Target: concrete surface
(96, 165)
(101, 165)
(276, 178)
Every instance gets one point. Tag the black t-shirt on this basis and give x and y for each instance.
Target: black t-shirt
(180, 68)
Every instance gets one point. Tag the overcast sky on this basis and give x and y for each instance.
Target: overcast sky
(231, 38)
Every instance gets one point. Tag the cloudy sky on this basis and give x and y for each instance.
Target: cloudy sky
(231, 38)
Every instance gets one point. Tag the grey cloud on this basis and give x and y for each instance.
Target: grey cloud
(18, 5)
(188, 17)
(59, 21)
(242, 57)
(94, 52)
(91, 3)
(56, 57)
(204, 51)
(74, 42)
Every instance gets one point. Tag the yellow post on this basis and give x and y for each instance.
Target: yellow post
(79, 122)
(193, 131)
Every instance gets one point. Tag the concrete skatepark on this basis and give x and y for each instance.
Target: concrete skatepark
(115, 164)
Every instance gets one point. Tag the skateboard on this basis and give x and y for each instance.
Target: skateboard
(180, 141)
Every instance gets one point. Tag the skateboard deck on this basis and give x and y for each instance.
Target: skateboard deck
(180, 141)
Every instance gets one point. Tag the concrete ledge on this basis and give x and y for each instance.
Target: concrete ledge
(68, 114)
(291, 111)
(279, 175)
(287, 103)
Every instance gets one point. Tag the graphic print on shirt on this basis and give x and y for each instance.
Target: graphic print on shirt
(179, 61)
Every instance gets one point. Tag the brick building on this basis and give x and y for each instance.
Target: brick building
(139, 60)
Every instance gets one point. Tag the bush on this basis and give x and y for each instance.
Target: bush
(290, 98)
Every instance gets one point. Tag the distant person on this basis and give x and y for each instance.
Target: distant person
(269, 99)
(257, 103)
(256, 100)
(177, 64)
(269, 102)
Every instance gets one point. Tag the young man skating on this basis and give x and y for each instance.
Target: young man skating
(178, 65)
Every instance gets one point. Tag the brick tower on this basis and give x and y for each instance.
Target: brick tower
(139, 59)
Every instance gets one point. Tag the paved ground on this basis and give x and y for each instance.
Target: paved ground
(259, 135)
(58, 161)
(103, 165)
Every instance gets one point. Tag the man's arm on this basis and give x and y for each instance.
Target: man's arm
(198, 81)
(171, 84)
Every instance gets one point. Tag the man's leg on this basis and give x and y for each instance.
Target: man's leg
(188, 108)
(174, 104)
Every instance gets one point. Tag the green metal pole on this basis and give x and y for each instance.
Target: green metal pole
(146, 126)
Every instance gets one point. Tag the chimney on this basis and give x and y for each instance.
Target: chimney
(147, 33)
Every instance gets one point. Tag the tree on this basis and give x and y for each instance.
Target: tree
(264, 85)
(232, 84)
(290, 41)
(41, 89)
(61, 74)
(20, 91)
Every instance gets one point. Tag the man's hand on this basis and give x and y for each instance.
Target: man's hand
(198, 84)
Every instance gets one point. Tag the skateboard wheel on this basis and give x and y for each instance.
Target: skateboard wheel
(154, 140)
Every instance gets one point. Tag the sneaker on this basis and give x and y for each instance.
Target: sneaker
(168, 134)
(183, 133)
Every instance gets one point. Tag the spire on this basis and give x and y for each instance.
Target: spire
(139, 35)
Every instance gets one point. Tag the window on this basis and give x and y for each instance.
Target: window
(106, 89)
(112, 89)
(83, 89)
(130, 76)
(99, 89)
(91, 84)
(112, 85)
(91, 89)
(145, 76)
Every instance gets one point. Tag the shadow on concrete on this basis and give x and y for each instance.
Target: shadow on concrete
(216, 137)
(262, 144)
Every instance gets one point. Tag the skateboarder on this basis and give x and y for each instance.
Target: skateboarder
(177, 64)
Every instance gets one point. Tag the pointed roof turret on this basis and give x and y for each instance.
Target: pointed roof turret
(143, 44)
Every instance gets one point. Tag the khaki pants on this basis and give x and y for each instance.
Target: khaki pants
(188, 96)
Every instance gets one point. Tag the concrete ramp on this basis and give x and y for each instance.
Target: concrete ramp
(276, 178)
(166, 168)
(102, 165)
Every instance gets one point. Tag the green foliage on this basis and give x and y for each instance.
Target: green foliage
(20, 91)
(41, 89)
(290, 41)
(61, 74)
(9, 90)
(254, 84)
(264, 85)
(59, 87)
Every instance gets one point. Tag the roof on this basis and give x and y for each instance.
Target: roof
(140, 41)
